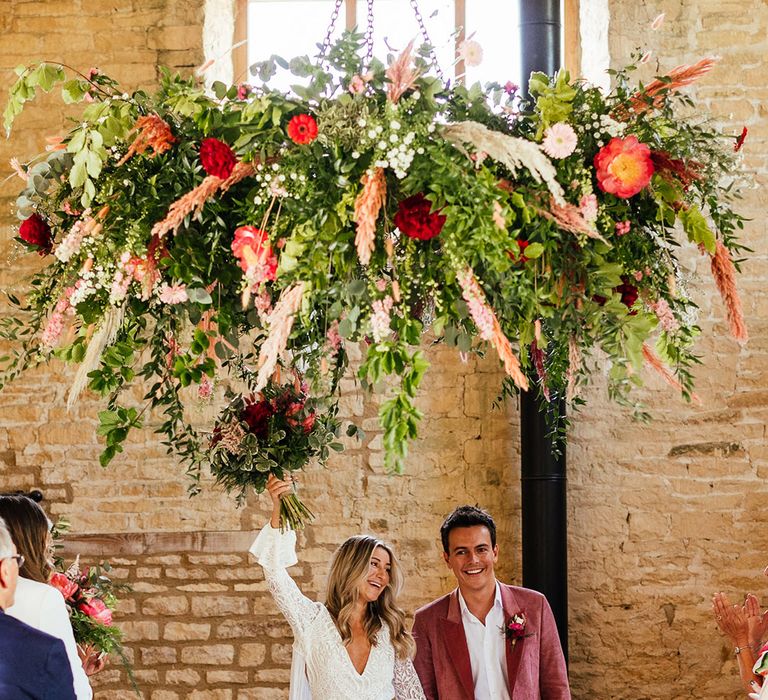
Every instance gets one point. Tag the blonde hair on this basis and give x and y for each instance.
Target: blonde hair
(349, 568)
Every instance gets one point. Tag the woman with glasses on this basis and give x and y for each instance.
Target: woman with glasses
(38, 604)
(356, 644)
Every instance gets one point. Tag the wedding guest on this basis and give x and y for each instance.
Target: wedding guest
(486, 639)
(33, 664)
(38, 604)
(746, 627)
(355, 645)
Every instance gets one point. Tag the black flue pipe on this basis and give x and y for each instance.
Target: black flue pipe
(542, 468)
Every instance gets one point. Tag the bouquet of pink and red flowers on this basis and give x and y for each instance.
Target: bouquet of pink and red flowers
(275, 431)
(90, 597)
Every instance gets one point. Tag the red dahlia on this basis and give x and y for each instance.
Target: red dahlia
(302, 129)
(36, 232)
(217, 158)
(257, 414)
(416, 219)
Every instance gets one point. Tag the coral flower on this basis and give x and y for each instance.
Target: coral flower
(302, 129)
(251, 247)
(624, 167)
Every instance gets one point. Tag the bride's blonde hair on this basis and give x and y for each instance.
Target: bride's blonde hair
(349, 568)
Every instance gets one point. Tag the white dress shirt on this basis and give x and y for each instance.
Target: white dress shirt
(487, 650)
(42, 606)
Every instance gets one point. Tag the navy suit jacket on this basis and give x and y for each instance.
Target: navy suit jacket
(33, 664)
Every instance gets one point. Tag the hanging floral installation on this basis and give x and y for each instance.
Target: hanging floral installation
(244, 237)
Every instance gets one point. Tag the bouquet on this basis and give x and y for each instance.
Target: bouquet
(90, 598)
(276, 431)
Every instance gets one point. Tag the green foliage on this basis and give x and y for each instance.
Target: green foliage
(186, 310)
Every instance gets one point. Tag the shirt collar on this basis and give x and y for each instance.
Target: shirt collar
(467, 614)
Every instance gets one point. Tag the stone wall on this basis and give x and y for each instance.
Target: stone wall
(660, 514)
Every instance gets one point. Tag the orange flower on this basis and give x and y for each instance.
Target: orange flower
(302, 129)
(624, 167)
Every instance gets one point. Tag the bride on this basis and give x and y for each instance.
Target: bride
(355, 646)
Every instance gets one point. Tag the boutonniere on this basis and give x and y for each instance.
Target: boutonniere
(515, 628)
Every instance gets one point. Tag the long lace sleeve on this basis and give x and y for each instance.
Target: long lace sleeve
(276, 551)
(407, 684)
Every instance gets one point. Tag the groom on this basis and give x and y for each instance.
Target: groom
(486, 640)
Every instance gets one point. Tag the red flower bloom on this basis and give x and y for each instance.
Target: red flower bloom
(628, 293)
(302, 129)
(251, 247)
(61, 583)
(217, 158)
(520, 257)
(36, 231)
(624, 167)
(740, 141)
(96, 609)
(257, 414)
(416, 220)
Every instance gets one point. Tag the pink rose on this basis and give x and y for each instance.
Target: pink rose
(96, 609)
(62, 584)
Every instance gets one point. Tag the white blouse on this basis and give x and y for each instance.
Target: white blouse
(329, 670)
(42, 606)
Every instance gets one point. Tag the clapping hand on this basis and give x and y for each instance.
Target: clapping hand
(757, 622)
(731, 619)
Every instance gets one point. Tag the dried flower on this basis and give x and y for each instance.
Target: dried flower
(401, 74)
(656, 24)
(367, 206)
(724, 273)
(153, 133)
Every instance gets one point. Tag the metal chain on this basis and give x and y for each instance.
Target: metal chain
(331, 26)
(424, 33)
(369, 35)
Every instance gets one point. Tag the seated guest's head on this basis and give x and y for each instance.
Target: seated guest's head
(31, 533)
(9, 567)
(469, 547)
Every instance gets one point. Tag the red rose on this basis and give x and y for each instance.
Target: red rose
(257, 414)
(415, 218)
(624, 166)
(217, 158)
(251, 247)
(628, 293)
(62, 584)
(302, 129)
(96, 609)
(36, 231)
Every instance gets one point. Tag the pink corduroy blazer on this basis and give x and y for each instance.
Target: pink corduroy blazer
(535, 665)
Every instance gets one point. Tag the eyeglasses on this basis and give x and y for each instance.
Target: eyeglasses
(18, 557)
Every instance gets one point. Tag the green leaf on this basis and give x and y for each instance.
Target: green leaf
(697, 229)
(199, 296)
(533, 251)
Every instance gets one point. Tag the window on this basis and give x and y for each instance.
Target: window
(294, 27)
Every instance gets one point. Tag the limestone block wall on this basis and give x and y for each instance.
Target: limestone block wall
(661, 515)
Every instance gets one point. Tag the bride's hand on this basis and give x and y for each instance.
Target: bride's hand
(757, 622)
(276, 489)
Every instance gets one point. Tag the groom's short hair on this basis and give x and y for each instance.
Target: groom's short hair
(467, 516)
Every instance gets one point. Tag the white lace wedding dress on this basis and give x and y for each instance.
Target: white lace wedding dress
(320, 660)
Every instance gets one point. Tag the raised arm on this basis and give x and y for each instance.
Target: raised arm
(276, 551)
